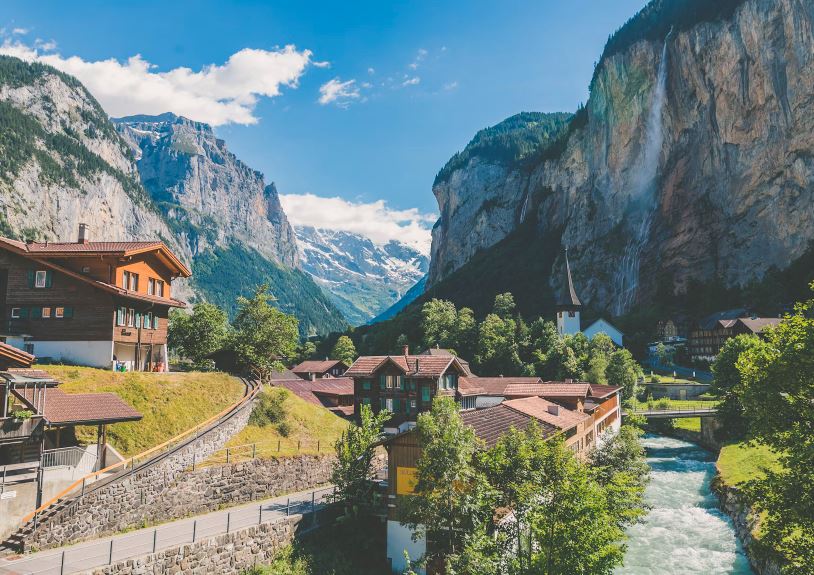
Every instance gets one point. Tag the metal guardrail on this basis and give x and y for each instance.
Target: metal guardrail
(102, 477)
(63, 457)
(699, 407)
(102, 553)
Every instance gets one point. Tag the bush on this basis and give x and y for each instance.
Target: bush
(284, 428)
(270, 408)
(663, 403)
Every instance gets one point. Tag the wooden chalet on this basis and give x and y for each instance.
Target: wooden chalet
(712, 332)
(332, 393)
(315, 369)
(100, 304)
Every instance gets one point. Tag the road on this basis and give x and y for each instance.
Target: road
(101, 552)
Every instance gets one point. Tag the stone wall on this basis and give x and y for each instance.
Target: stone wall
(224, 554)
(211, 488)
(124, 502)
(744, 520)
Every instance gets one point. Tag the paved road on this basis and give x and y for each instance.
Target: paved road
(100, 552)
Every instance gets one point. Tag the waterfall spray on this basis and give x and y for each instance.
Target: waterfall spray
(626, 280)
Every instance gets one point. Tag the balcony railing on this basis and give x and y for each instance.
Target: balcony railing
(13, 430)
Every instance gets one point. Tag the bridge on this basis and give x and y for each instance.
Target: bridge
(699, 409)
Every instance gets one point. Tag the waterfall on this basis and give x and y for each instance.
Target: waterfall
(525, 207)
(643, 197)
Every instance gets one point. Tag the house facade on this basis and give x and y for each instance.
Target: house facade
(711, 333)
(100, 304)
(315, 369)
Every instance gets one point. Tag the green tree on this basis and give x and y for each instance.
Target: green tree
(438, 320)
(447, 502)
(306, 351)
(344, 350)
(352, 471)
(504, 305)
(624, 372)
(497, 352)
(466, 333)
(265, 337)
(776, 391)
(664, 354)
(727, 384)
(200, 333)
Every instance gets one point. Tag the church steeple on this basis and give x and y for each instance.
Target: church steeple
(568, 304)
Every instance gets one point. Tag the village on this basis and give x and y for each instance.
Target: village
(105, 305)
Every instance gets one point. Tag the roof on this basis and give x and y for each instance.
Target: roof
(491, 423)
(567, 296)
(710, 321)
(121, 249)
(311, 390)
(317, 366)
(442, 352)
(495, 385)
(411, 365)
(598, 325)
(83, 408)
(16, 356)
(603, 391)
(758, 324)
(541, 409)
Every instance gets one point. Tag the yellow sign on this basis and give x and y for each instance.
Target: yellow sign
(406, 478)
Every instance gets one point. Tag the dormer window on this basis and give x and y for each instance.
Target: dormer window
(41, 279)
(130, 281)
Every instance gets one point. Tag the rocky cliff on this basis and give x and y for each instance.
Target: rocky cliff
(692, 160)
(63, 162)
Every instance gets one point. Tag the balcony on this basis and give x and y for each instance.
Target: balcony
(16, 430)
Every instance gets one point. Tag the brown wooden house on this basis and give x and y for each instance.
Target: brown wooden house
(100, 304)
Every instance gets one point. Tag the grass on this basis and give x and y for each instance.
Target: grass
(688, 424)
(312, 427)
(742, 462)
(668, 379)
(170, 402)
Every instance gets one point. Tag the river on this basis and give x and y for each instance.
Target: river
(684, 533)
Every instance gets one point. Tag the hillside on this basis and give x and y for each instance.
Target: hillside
(170, 402)
(64, 162)
(360, 277)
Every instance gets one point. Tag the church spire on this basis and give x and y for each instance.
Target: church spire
(567, 297)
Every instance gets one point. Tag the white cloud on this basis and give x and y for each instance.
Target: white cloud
(371, 71)
(419, 57)
(374, 220)
(450, 86)
(337, 92)
(216, 94)
(411, 81)
(324, 64)
(20, 31)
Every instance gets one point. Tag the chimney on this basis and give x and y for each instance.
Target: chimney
(406, 350)
(84, 234)
(554, 409)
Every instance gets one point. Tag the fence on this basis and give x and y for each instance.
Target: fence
(678, 406)
(249, 451)
(105, 552)
(65, 457)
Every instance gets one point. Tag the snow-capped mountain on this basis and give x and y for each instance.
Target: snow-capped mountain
(361, 277)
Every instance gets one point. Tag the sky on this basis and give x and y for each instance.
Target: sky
(349, 108)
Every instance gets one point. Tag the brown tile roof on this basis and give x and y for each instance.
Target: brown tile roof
(539, 408)
(83, 408)
(497, 385)
(317, 366)
(558, 389)
(412, 365)
(342, 410)
(30, 373)
(16, 356)
(491, 423)
(469, 386)
(311, 390)
(603, 391)
(758, 324)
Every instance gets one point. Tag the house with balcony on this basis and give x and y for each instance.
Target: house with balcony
(314, 369)
(100, 304)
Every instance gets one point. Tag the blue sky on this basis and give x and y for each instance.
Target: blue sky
(426, 76)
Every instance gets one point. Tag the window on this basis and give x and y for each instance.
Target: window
(133, 282)
(121, 314)
(159, 286)
(389, 403)
(29, 348)
(130, 281)
(396, 405)
(131, 317)
(138, 319)
(366, 384)
(412, 404)
(151, 286)
(148, 320)
(46, 312)
(59, 312)
(425, 393)
(15, 312)
(155, 322)
(382, 403)
(42, 279)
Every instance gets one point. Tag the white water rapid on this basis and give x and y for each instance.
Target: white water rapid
(684, 533)
(643, 193)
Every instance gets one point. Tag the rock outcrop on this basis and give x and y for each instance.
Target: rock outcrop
(732, 189)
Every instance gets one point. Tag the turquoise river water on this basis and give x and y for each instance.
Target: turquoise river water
(684, 533)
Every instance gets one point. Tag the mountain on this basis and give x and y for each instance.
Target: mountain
(688, 169)
(64, 162)
(409, 297)
(362, 278)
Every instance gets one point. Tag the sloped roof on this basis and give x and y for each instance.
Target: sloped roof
(412, 365)
(567, 296)
(496, 385)
(758, 324)
(311, 390)
(539, 408)
(81, 408)
(711, 320)
(603, 391)
(317, 366)
(16, 356)
(491, 423)
(560, 389)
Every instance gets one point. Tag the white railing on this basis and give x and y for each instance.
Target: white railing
(63, 457)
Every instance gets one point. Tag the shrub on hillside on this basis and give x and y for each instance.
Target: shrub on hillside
(270, 409)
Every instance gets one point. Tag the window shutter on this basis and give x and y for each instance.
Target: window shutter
(396, 405)
(48, 278)
(31, 274)
(68, 312)
(23, 312)
(36, 312)
(155, 322)
(137, 323)
(382, 382)
(383, 403)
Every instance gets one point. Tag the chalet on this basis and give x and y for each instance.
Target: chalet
(100, 304)
(403, 384)
(333, 393)
(489, 425)
(712, 332)
(314, 369)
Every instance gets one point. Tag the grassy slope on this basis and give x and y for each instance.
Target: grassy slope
(309, 424)
(741, 462)
(170, 403)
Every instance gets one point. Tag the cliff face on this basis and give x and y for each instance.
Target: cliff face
(707, 178)
(214, 197)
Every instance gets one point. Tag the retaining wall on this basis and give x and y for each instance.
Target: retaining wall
(123, 503)
(224, 554)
